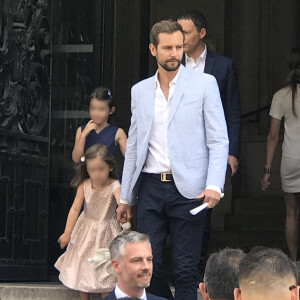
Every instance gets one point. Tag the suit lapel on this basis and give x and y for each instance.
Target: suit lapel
(149, 102)
(209, 63)
(178, 92)
(111, 296)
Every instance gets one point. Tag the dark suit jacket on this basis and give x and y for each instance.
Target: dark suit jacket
(223, 70)
(112, 296)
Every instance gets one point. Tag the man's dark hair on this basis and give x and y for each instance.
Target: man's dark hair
(221, 273)
(261, 260)
(293, 78)
(165, 26)
(196, 17)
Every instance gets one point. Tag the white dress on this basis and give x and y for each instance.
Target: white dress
(290, 163)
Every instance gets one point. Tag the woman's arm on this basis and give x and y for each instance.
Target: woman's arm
(64, 239)
(272, 142)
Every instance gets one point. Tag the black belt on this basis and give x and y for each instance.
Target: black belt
(163, 177)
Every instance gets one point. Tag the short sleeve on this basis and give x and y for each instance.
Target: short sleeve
(116, 184)
(276, 109)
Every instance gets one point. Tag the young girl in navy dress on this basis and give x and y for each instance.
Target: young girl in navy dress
(98, 130)
(99, 191)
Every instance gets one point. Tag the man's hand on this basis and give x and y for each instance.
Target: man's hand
(265, 182)
(123, 213)
(233, 163)
(211, 197)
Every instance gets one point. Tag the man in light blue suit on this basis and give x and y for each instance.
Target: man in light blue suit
(176, 158)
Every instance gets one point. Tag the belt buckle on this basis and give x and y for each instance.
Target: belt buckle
(163, 177)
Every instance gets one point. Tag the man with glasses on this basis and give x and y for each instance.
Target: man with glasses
(267, 274)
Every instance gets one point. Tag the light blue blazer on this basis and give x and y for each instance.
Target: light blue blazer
(197, 135)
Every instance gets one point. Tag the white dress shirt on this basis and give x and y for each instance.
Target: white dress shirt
(120, 294)
(158, 160)
(197, 65)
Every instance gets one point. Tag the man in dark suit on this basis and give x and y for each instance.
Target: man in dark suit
(131, 258)
(199, 58)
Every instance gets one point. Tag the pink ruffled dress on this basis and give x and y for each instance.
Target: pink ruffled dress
(95, 228)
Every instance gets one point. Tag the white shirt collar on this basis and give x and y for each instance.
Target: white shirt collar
(202, 56)
(121, 294)
(172, 83)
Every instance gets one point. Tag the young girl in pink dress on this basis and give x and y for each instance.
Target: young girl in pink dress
(96, 226)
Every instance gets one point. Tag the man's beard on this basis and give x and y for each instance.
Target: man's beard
(167, 68)
(145, 284)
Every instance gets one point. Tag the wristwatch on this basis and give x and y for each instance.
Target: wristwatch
(267, 170)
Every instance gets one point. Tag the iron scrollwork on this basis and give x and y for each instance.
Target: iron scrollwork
(25, 53)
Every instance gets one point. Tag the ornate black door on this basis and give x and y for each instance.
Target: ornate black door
(59, 50)
(25, 57)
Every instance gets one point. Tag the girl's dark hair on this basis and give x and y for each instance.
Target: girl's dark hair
(293, 77)
(93, 152)
(103, 94)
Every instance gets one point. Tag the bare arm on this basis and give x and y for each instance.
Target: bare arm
(78, 146)
(117, 193)
(80, 138)
(121, 140)
(72, 217)
(272, 142)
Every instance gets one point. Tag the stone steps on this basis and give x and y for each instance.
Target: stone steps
(259, 223)
(43, 291)
(252, 222)
(266, 204)
(38, 291)
(246, 240)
